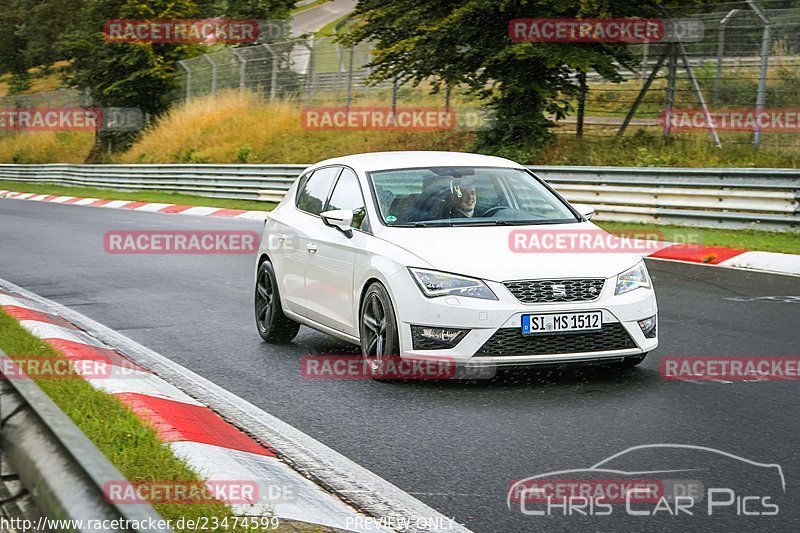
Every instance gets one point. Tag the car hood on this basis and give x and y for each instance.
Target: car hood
(485, 252)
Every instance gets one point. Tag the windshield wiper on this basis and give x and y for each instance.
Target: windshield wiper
(432, 224)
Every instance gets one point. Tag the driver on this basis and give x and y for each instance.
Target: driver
(464, 207)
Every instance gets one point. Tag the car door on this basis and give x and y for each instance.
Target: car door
(294, 234)
(329, 272)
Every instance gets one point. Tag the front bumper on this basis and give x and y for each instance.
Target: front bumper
(495, 337)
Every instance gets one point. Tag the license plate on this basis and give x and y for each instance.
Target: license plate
(561, 322)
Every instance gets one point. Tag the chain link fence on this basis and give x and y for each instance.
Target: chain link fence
(746, 59)
(314, 71)
(57, 98)
(745, 62)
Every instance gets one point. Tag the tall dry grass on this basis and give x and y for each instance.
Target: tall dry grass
(244, 128)
(45, 147)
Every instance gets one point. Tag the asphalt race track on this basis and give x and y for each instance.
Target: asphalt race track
(456, 446)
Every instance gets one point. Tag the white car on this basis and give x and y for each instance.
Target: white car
(408, 254)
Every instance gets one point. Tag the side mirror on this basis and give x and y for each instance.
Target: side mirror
(585, 210)
(341, 219)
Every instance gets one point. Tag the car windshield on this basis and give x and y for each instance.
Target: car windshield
(465, 196)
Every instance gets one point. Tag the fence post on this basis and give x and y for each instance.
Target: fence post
(309, 71)
(723, 25)
(581, 102)
(395, 85)
(672, 69)
(762, 72)
(213, 74)
(365, 82)
(645, 57)
(242, 69)
(350, 80)
(188, 94)
(273, 78)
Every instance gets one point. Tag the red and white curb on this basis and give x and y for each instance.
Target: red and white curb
(729, 257)
(690, 253)
(303, 459)
(212, 447)
(174, 209)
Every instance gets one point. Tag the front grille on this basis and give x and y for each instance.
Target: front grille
(531, 291)
(510, 341)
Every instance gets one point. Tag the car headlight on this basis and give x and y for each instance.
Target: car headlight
(633, 278)
(433, 284)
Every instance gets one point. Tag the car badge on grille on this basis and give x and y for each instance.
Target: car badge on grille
(559, 291)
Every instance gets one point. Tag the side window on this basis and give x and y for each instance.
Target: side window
(314, 190)
(347, 195)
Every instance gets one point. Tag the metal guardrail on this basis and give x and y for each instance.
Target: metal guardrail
(730, 197)
(63, 472)
(735, 198)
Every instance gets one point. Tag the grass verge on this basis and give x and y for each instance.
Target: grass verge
(766, 241)
(141, 196)
(130, 444)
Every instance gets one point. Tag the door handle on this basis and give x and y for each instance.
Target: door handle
(281, 237)
(312, 248)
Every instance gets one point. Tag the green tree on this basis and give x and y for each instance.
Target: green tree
(466, 42)
(141, 75)
(29, 30)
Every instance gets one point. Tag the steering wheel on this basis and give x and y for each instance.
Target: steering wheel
(494, 210)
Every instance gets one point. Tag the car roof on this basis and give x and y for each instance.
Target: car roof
(413, 159)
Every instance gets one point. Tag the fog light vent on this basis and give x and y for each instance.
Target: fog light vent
(648, 326)
(429, 338)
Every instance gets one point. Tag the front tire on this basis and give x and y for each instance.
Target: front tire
(380, 337)
(272, 324)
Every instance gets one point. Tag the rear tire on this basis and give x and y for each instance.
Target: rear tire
(272, 324)
(379, 335)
